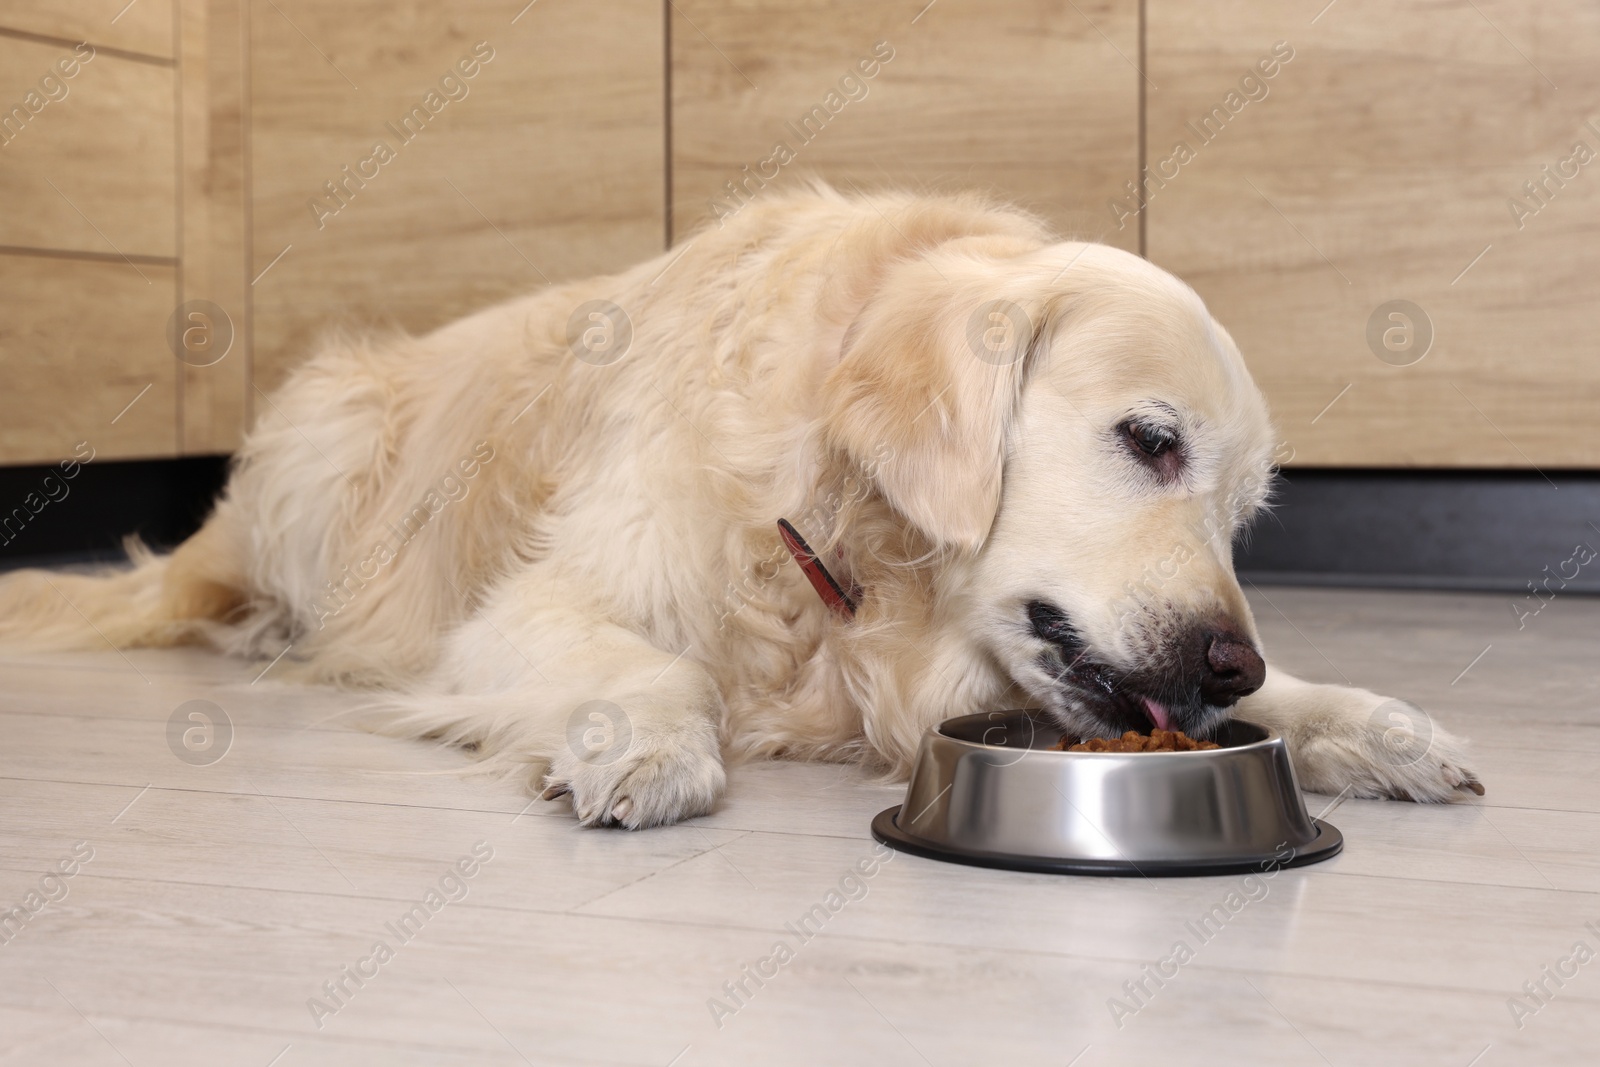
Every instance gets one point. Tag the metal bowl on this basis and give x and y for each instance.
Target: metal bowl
(989, 790)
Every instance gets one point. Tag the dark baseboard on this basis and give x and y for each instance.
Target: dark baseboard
(1468, 530)
(49, 519)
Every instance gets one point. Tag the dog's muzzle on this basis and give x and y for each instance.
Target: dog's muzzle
(1209, 666)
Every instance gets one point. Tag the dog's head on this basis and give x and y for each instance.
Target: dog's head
(1081, 442)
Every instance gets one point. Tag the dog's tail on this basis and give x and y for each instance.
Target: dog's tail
(159, 600)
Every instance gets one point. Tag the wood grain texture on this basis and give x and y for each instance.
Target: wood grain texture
(143, 26)
(1380, 166)
(214, 214)
(95, 168)
(81, 340)
(220, 897)
(550, 167)
(1034, 102)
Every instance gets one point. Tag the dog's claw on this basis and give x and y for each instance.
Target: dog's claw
(555, 790)
(622, 809)
(1472, 785)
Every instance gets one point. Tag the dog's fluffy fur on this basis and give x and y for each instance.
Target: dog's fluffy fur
(544, 557)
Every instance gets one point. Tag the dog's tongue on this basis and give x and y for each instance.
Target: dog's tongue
(1158, 714)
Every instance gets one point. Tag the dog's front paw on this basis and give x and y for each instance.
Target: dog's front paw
(635, 770)
(1378, 747)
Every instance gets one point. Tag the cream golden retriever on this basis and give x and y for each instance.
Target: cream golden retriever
(548, 531)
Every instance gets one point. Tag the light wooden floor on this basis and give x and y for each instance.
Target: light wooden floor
(221, 897)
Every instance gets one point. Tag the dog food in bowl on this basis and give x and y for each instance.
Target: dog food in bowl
(1155, 741)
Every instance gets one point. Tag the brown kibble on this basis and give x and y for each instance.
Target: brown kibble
(1157, 740)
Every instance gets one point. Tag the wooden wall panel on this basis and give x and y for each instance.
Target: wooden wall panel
(86, 339)
(1035, 101)
(550, 167)
(1384, 162)
(214, 386)
(1381, 166)
(143, 26)
(94, 168)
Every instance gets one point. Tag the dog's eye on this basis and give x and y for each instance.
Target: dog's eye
(1153, 441)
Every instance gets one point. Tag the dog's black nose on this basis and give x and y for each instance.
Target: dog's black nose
(1233, 669)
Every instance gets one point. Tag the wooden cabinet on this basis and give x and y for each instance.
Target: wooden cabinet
(413, 161)
(90, 153)
(88, 237)
(1033, 101)
(171, 192)
(143, 28)
(121, 162)
(1383, 163)
(1393, 207)
(213, 208)
(85, 359)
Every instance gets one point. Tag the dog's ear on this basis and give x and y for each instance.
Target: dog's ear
(927, 384)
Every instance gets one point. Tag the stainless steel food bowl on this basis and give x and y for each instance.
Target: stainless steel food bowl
(989, 790)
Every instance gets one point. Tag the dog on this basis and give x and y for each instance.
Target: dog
(548, 532)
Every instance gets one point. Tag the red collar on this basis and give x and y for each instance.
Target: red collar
(827, 588)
